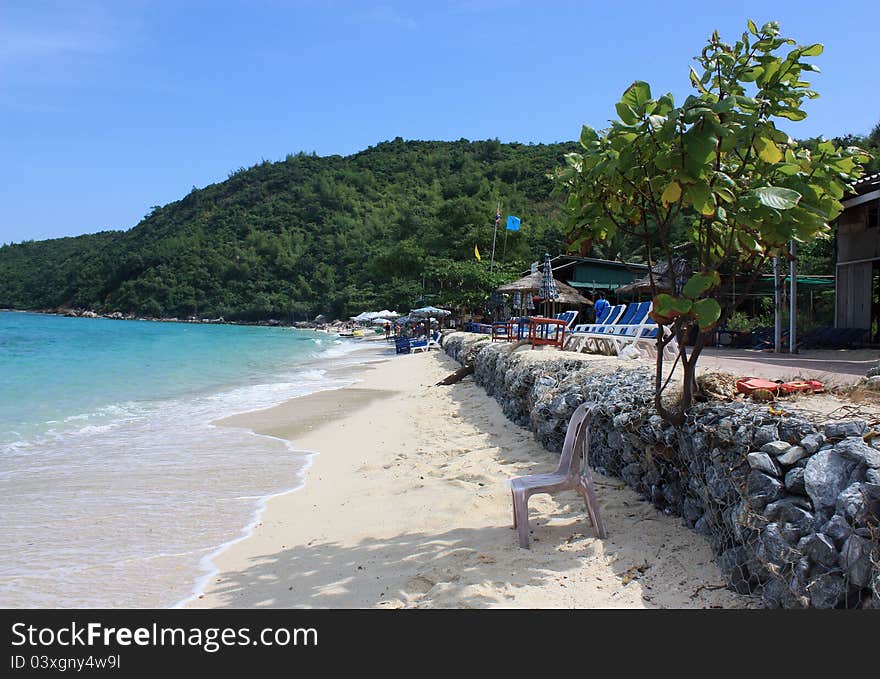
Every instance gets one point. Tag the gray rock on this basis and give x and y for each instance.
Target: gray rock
(773, 592)
(762, 489)
(791, 456)
(855, 559)
(825, 475)
(790, 512)
(671, 494)
(778, 592)
(802, 571)
(820, 549)
(826, 590)
(774, 548)
(873, 476)
(857, 475)
(854, 448)
(793, 429)
(724, 432)
(732, 563)
(692, 510)
(873, 372)
(794, 480)
(632, 474)
(793, 532)
(765, 433)
(859, 504)
(842, 429)
(720, 486)
(763, 463)
(812, 442)
(775, 447)
(622, 420)
(837, 529)
(702, 525)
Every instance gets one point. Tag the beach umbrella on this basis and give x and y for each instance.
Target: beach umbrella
(385, 313)
(548, 284)
(381, 321)
(548, 290)
(428, 311)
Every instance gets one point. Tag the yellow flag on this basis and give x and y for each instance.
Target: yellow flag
(477, 254)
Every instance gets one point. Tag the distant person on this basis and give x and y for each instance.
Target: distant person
(601, 306)
(387, 330)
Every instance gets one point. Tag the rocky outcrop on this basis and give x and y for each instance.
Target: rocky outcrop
(790, 506)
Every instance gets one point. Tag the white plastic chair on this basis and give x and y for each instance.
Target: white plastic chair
(573, 473)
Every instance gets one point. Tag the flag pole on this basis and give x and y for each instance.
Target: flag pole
(494, 236)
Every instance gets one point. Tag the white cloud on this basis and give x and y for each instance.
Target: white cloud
(41, 32)
(388, 15)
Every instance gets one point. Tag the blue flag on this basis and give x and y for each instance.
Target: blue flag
(512, 223)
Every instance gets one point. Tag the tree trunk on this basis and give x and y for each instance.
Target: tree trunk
(675, 415)
(457, 376)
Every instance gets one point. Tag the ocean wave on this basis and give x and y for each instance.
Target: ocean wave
(191, 485)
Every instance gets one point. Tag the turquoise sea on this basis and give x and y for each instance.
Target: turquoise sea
(115, 488)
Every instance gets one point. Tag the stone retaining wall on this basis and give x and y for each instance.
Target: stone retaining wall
(790, 506)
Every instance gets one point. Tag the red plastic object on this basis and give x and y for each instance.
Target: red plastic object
(747, 385)
(807, 385)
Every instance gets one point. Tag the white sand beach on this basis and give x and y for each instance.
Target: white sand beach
(406, 506)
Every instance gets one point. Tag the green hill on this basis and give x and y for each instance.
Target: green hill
(389, 227)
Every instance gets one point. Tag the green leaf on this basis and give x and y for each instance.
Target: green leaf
(627, 115)
(637, 95)
(695, 81)
(791, 113)
(789, 169)
(668, 307)
(724, 105)
(813, 50)
(707, 311)
(752, 74)
(778, 197)
(697, 285)
(699, 147)
(767, 150)
(671, 194)
(700, 196)
(752, 28)
(588, 135)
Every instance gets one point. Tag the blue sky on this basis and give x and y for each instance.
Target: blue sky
(111, 107)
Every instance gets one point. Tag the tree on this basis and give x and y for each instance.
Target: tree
(743, 187)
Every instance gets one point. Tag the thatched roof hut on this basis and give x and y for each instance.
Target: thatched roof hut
(532, 283)
(663, 282)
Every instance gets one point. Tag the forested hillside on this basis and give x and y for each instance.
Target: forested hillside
(390, 226)
(393, 226)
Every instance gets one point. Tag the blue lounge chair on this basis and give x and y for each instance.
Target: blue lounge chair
(434, 341)
(578, 338)
(600, 340)
(635, 328)
(569, 318)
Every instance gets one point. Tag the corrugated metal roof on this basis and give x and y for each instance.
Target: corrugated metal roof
(867, 183)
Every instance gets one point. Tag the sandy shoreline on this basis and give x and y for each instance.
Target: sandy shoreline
(405, 505)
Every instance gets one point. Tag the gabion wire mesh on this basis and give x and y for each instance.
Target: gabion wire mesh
(790, 504)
